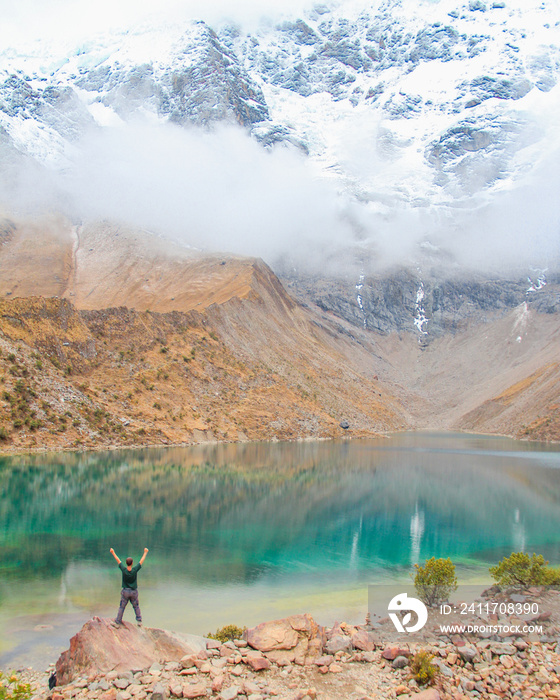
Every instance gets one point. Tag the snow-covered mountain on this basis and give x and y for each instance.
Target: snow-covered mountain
(418, 112)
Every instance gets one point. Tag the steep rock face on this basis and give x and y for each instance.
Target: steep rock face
(474, 153)
(427, 305)
(478, 355)
(202, 82)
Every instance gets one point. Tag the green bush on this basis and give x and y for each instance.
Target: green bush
(552, 576)
(435, 581)
(422, 669)
(520, 570)
(227, 633)
(11, 688)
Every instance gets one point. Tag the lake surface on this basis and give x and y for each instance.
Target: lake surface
(243, 533)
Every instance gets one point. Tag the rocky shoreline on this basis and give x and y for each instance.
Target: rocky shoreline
(297, 659)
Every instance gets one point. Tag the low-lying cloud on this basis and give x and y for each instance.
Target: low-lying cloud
(217, 190)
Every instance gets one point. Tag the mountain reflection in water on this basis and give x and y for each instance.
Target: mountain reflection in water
(310, 514)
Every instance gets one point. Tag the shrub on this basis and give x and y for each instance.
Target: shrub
(422, 669)
(552, 576)
(227, 633)
(520, 570)
(11, 688)
(435, 581)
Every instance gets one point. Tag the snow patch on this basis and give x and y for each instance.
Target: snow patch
(420, 318)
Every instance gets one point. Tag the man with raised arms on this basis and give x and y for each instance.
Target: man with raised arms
(129, 586)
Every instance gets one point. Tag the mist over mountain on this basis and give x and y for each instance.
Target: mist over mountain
(335, 137)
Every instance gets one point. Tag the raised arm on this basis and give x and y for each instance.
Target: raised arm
(113, 553)
(144, 555)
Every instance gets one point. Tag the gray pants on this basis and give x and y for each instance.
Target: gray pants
(129, 594)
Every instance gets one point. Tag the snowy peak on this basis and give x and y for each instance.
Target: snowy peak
(421, 108)
(195, 80)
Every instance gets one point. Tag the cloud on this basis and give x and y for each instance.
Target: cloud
(72, 21)
(218, 190)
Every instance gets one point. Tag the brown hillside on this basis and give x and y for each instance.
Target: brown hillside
(207, 347)
(497, 375)
(113, 336)
(102, 265)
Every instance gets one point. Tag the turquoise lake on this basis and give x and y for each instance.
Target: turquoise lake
(242, 533)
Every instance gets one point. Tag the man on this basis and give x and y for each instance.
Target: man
(129, 586)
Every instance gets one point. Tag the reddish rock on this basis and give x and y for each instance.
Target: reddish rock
(176, 690)
(281, 657)
(284, 634)
(430, 694)
(101, 646)
(110, 694)
(458, 641)
(213, 644)
(217, 684)
(390, 653)
(338, 642)
(325, 660)
(267, 636)
(226, 651)
(188, 661)
(257, 663)
(363, 640)
(195, 690)
(250, 687)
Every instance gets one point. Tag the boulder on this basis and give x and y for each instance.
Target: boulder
(101, 646)
(298, 634)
